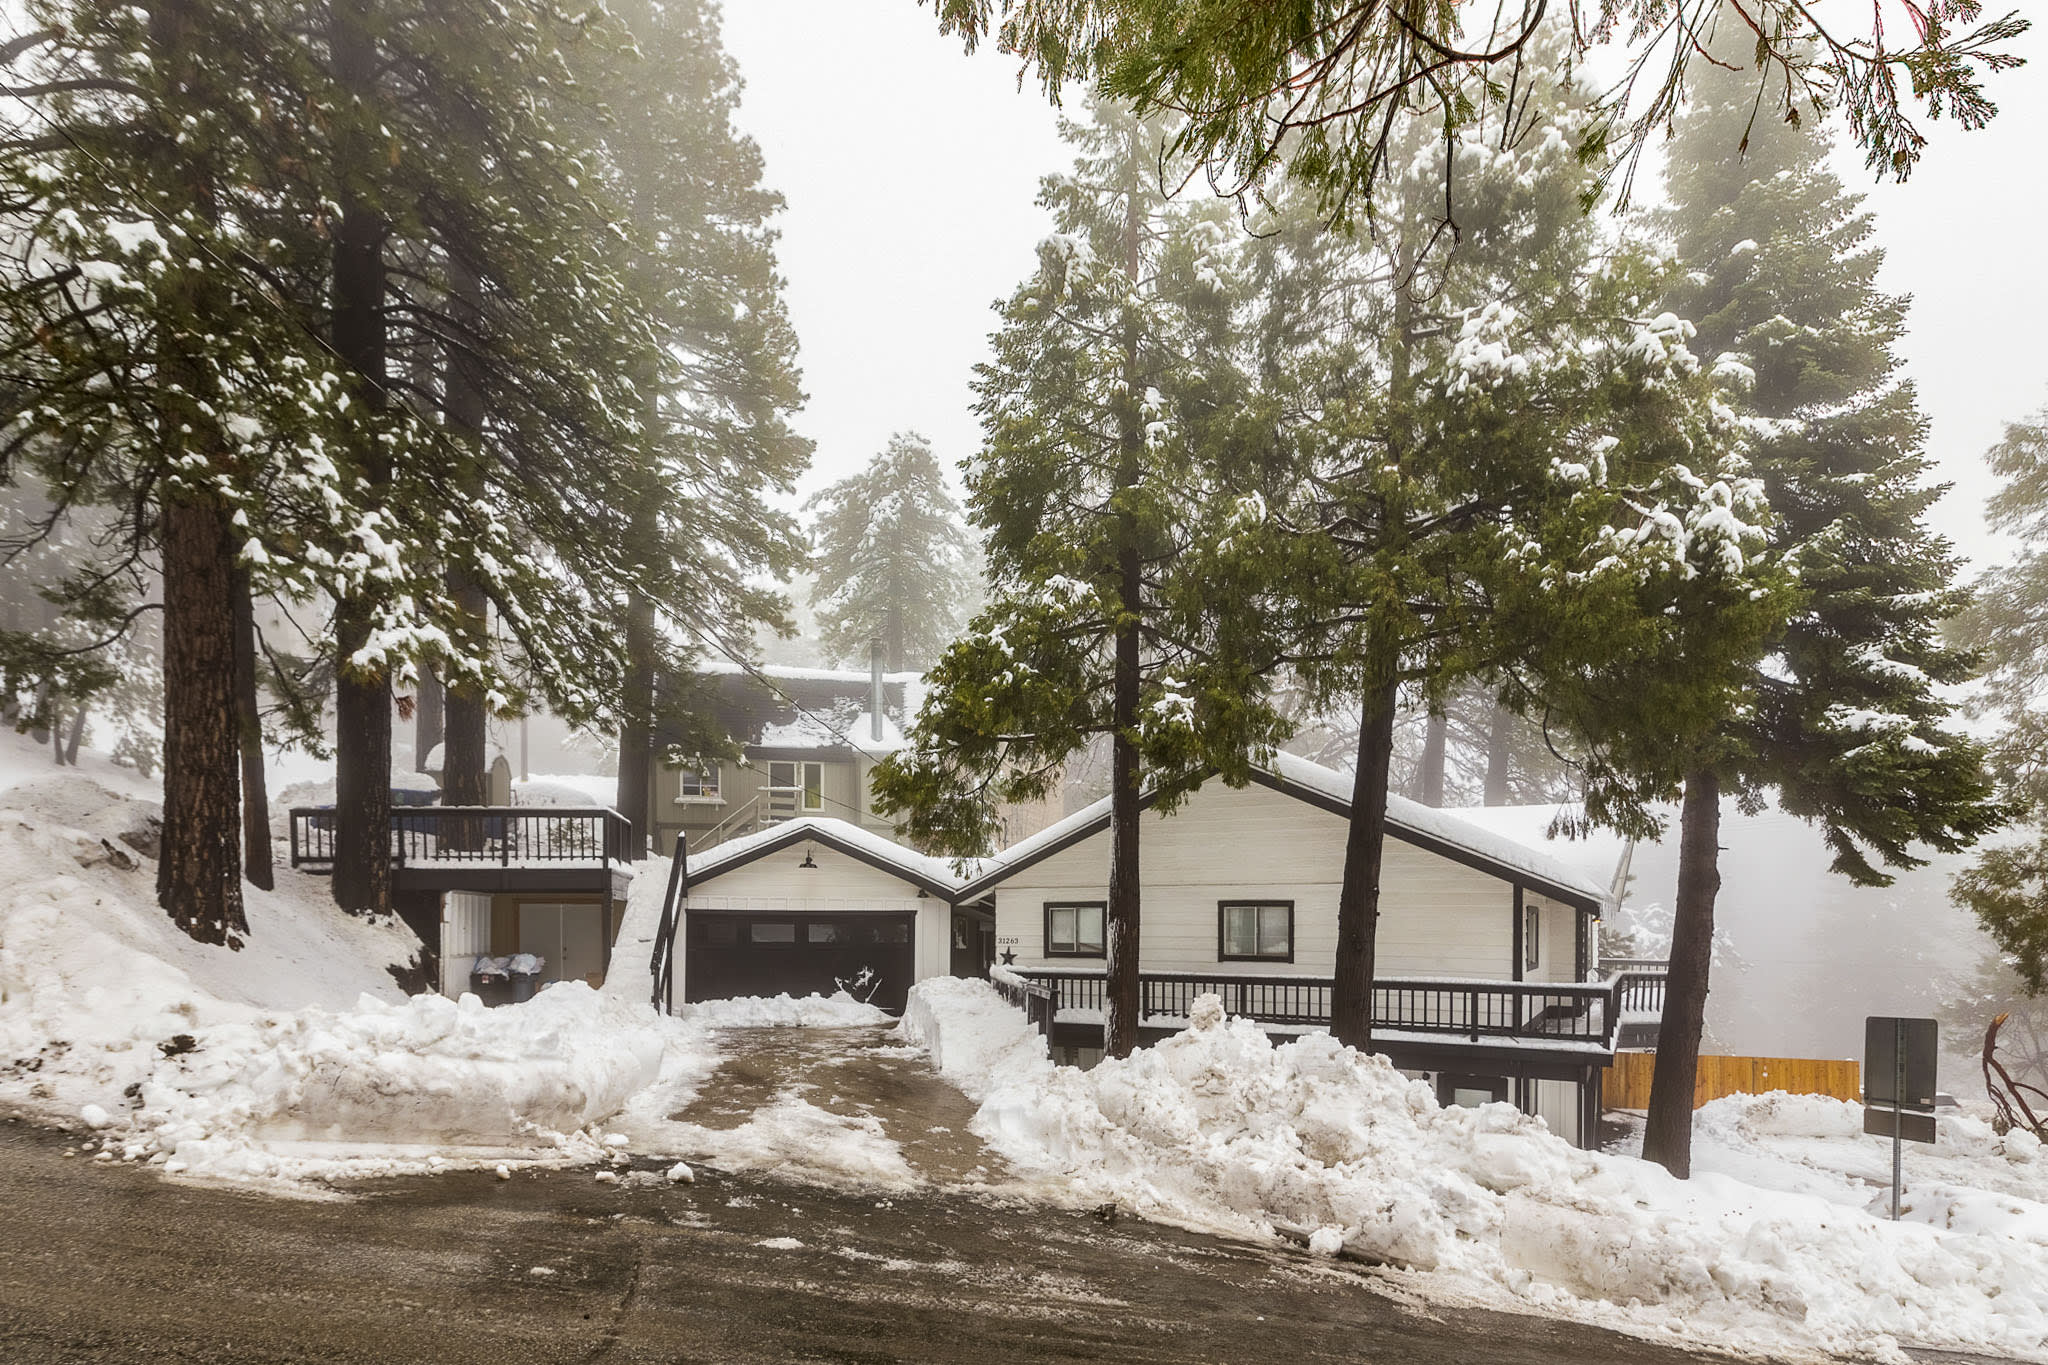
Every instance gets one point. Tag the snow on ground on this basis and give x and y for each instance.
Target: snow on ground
(297, 1057)
(839, 1010)
(1218, 1128)
(1970, 1180)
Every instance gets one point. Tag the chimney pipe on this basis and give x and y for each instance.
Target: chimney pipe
(875, 655)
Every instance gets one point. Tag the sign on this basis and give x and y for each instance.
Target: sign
(1900, 1057)
(1912, 1127)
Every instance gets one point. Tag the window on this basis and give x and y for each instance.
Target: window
(1255, 931)
(699, 783)
(1073, 930)
(805, 781)
(1469, 1092)
(1532, 937)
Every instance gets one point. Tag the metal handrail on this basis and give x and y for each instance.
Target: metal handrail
(662, 966)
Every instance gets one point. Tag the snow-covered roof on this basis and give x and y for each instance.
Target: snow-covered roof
(1597, 856)
(807, 730)
(935, 875)
(791, 673)
(1407, 820)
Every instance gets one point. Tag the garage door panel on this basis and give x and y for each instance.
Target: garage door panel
(799, 953)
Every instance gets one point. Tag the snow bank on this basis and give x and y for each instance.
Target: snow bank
(93, 974)
(295, 1057)
(320, 1093)
(1970, 1180)
(838, 1010)
(1217, 1127)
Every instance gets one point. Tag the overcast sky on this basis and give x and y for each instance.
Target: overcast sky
(910, 171)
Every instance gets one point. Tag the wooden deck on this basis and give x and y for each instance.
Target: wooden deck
(487, 848)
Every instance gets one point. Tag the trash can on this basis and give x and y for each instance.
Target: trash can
(491, 982)
(524, 969)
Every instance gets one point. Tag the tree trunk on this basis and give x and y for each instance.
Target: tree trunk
(1358, 899)
(199, 875)
(362, 694)
(256, 858)
(428, 718)
(636, 725)
(1497, 757)
(1667, 1140)
(892, 635)
(1433, 741)
(464, 757)
(1121, 1002)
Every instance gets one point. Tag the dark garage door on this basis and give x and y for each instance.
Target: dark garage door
(799, 953)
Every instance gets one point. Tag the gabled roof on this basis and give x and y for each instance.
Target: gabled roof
(1425, 827)
(933, 875)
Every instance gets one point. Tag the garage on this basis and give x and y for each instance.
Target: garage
(871, 955)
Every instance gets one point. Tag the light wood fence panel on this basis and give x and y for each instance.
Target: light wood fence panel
(1627, 1084)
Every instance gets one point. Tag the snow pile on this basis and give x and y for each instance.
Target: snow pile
(838, 1010)
(1217, 1127)
(93, 974)
(318, 1092)
(296, 1057)
(1970, 1180)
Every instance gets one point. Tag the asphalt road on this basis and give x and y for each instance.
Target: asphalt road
(113, 1263)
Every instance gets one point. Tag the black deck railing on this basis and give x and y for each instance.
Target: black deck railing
(1642, 984)
(484, 836)
(1562, 1012)
(1039, 1001)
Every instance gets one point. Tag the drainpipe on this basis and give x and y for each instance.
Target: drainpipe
(875, 656)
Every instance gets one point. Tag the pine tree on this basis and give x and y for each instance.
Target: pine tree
(1321, 92)
(1116, 604)
(715, 382)
(1503, 488)
(893, 554)
(1840, 718)
(2007, 890)
(151, 370)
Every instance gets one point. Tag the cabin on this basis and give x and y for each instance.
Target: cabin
(809, 739)
(549, 882)
(818, 905)
(1485, 945)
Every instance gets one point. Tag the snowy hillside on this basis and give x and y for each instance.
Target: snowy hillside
(296, 1057)
(93, 975)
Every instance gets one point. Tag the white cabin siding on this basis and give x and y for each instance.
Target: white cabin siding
(1437, 917)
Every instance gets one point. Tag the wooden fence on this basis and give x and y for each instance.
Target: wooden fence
(1627, 1084)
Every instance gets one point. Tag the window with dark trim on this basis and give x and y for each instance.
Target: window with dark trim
(1074, 928)
(1255, 931)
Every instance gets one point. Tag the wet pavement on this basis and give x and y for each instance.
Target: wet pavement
(856, 1074)
(111, 1263)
